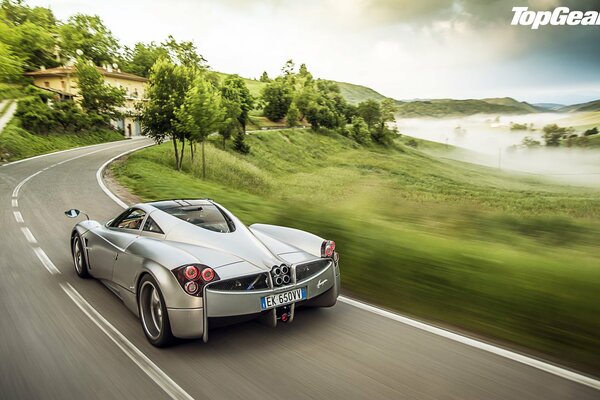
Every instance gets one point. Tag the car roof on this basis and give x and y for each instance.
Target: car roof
(176, 203)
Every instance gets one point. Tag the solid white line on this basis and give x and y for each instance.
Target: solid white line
(520, 358)
(152, 370)
(18, 217)
(15, 203)
(41, 254)
(15, 192)
(28, 235)
(101, 170)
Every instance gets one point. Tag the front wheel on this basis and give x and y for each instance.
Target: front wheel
(153, 313)
(81, 267)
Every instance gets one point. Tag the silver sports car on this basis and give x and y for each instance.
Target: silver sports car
(183, 266)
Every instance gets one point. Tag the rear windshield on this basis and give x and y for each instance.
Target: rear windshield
(206, 216)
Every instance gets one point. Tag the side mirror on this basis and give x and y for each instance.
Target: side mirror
(72, 213)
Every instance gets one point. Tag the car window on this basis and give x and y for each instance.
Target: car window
(151, 226)
(207, 216)
(129, 220)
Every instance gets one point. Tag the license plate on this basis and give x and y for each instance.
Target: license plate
(283, 298)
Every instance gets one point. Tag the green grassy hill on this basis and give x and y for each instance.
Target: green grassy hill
(355, 94)
(437, 108)
(589, 106)
(506, 256)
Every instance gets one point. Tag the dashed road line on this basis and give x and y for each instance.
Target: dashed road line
(28, 235)
(18, 217)
(45, 260)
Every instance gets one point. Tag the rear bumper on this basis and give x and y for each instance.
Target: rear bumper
(230, 303)
(188, 323)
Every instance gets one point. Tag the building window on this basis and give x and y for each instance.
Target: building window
(63, 84)
(47, 84)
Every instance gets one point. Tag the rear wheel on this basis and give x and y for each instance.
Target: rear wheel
(153, 313)
(81, 267)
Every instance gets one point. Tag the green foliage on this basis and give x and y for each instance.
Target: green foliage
(16, 143)
(11, 66)
(530, 142)
(234, 89)
(292, 117)
(277, 96)
(359, 130)
(88, 34)
(591, 131)
(239, 143)
(518, 127)
(142, 57)
(201, 112)
(35, 115)
(370, 111)
(448, 107)
(166, 90)
(553, 134)
(265, 77)
(96, 96)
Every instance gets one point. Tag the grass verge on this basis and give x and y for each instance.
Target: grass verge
(512, 258)
(17, 143)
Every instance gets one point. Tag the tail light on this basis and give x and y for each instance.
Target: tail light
(328, 248)
(194, 277)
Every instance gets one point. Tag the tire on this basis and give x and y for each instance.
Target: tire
(79, 259)
(153, 313)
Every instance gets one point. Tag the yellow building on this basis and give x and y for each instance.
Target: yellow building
(62, 81)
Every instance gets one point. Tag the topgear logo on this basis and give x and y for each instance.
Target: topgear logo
(560, 16)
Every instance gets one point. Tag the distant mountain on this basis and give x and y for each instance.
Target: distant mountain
(355, 94)
(449, 107)
(589, 106)
(549, 106)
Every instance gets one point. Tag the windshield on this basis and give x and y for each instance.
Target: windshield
(206, 216)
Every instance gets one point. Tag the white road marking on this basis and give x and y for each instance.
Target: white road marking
(152, 370)
(18, 217)
(41, 254)
(520, 358)
(171, 388)
(28, 235)
(101, 170)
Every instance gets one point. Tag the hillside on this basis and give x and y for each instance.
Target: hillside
(446, 241)
(355, 94)
(589, 106)
(449, 107)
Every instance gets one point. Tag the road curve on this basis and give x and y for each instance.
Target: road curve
(52, 345)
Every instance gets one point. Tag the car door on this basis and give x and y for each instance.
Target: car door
(113, 241)
(129, 264)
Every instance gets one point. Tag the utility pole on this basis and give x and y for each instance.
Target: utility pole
(499, 157)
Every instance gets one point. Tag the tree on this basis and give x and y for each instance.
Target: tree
(288, 68)
(277, 96)
(231, 124)
(553, 134)
(166, 90)
(293, 116)
(11, 66)
(142, 57)
(234, 89)
(265, 77)
(590, 132)
(184, 53)
(201, 113)
(35, 115)
(530, 142)
(239, 143)
(359, 130)
(96, 96)
(370, 111)
(89, 35)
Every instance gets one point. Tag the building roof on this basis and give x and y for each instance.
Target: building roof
(64, 71)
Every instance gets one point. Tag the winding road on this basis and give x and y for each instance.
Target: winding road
(66, 338)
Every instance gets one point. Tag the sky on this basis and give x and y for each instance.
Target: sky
(404, 49)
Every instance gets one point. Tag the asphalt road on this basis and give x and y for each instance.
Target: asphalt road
(50, 348)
